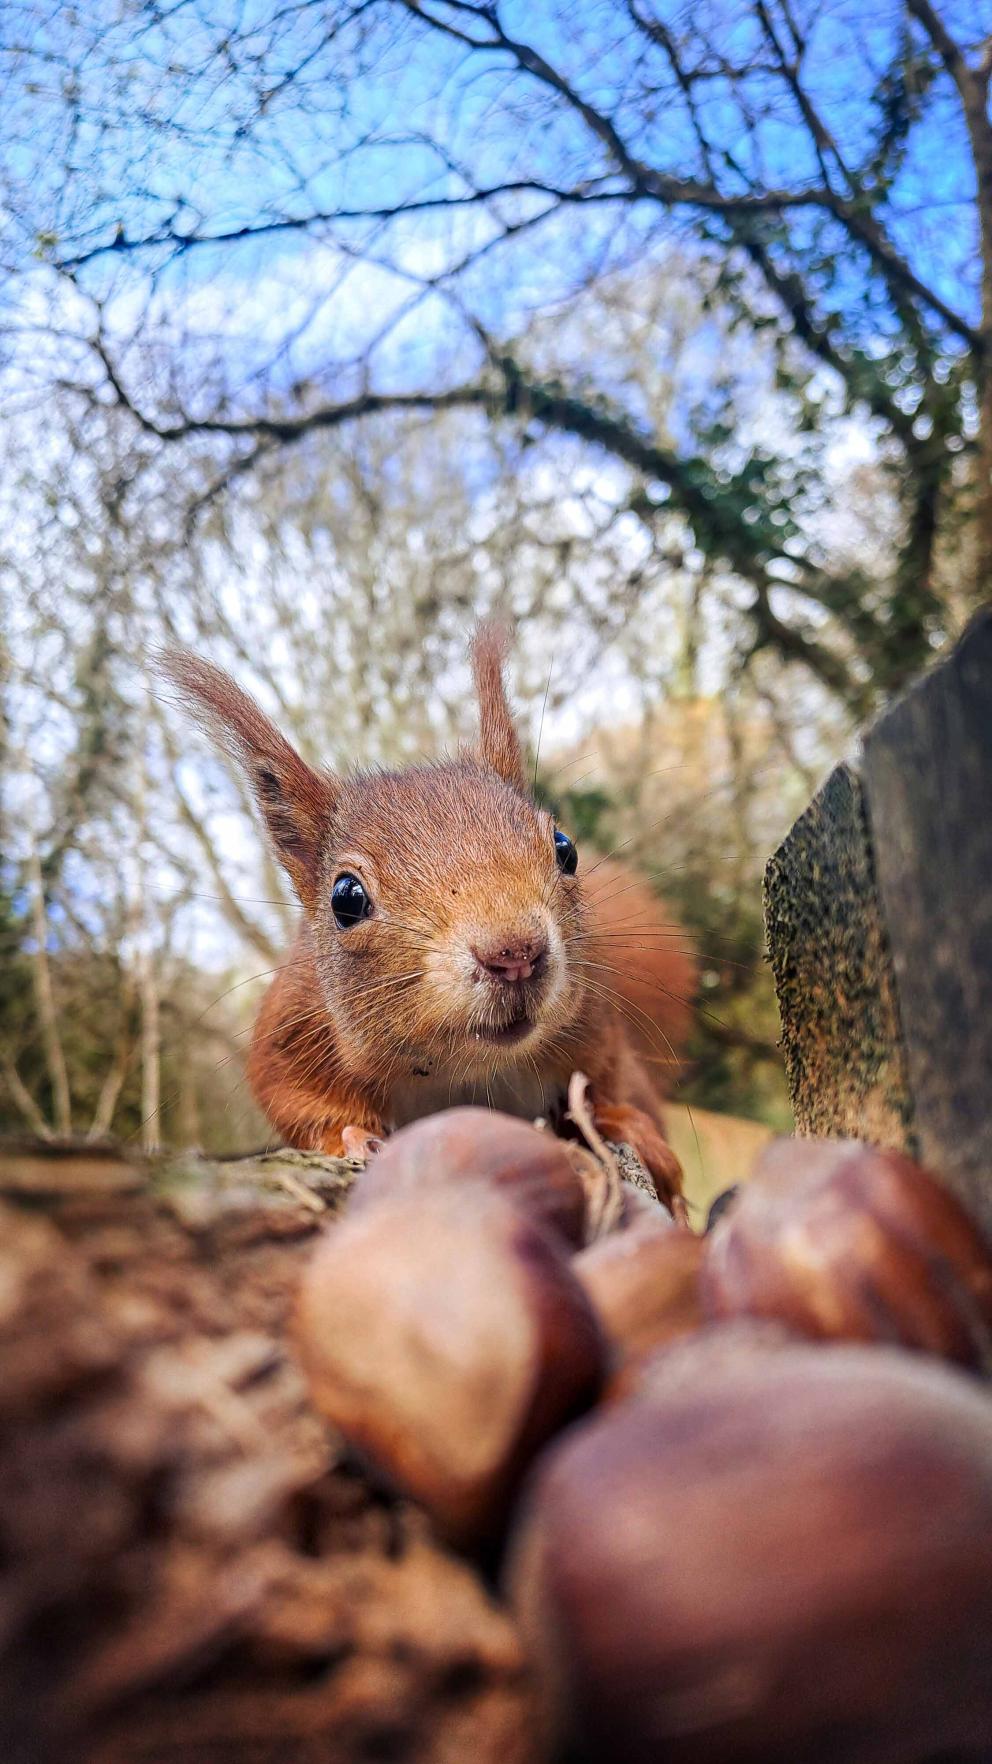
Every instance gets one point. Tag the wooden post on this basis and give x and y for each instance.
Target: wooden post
(879, 920)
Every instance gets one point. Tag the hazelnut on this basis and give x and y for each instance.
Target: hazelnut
(644, 1286)
(766, 1555)
(841, 1240)
(443, 1332)
(535, 1170)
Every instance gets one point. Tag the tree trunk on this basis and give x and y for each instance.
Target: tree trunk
(151, 1045)
(879, 922)
(47, 1013)
(147, 970)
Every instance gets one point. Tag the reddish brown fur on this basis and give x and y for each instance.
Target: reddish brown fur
(499, 743)
(366, 1028)
(296, 802)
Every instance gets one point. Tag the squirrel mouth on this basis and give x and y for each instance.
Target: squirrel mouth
(505, 1035)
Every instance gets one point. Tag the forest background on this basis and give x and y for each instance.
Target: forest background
(664, 331)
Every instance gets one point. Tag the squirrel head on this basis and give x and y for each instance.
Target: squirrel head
(446, 915)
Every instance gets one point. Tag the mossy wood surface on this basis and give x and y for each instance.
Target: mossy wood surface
(879, 923)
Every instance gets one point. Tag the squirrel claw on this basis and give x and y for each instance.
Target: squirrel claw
(360, 1143)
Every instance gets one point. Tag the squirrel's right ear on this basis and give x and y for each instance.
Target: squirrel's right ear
(296, 802)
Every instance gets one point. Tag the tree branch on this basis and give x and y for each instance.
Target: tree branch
(950, 52)
(253, 934)
(113, 1083)
(122, 246)
(24, 1100)
(647, 181)
(794, 645)
(643, 180)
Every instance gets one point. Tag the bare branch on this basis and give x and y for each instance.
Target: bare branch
(179, 242)
(253, 934)
(950, 52)
(646, 181)
(113, 1083)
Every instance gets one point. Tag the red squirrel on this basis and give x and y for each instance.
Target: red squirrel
(451, 949)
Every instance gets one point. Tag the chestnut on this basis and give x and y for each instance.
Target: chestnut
(643, 1282)
(842, 1240)
(541, 1174)
(444, 1334)
(768, 1554)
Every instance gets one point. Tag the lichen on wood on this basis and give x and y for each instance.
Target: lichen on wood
(878, 909)
(841, 1035)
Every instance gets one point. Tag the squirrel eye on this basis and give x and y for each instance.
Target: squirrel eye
(349, 902)
(565, 853)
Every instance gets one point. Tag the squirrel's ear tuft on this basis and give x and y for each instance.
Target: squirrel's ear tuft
(499, 743)
(296, 802)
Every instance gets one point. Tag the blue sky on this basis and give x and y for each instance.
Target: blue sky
(164, 133)
(160, 127)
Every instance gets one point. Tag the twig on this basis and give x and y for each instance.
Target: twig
(605, 1194)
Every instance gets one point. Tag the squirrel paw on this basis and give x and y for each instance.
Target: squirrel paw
(626, 1125)
(360, 1143)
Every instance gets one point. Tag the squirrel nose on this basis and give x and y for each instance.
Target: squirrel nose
(509, 962)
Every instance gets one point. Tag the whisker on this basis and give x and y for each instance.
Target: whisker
(280, 968)
(647, 1027)
(692, 1005)
(705, 797)
(540, 728)
(566, 765)
(627, 941)
(245, 899)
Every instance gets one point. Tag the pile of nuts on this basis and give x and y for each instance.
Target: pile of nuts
(738, 1488)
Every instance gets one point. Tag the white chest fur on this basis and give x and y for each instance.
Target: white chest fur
(514, 1090)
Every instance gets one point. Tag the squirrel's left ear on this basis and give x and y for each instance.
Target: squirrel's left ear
(499, 743)
(296, 802)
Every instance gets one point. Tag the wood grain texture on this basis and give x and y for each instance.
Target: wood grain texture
(190, 1568)
(928, 785)
(829, 952)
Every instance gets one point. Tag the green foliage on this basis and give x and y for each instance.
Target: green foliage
(203, 1096)
(732, 1062)
(580, 812)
